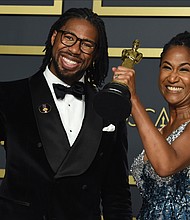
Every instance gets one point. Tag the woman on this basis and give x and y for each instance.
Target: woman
(162, 170)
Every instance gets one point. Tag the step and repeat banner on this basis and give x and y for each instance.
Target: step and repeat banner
(25, 25)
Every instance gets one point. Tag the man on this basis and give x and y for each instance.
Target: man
(64, 162)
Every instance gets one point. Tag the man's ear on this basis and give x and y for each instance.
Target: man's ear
(53, 37)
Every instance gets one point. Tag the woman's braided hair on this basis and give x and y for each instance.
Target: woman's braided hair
(181, 39)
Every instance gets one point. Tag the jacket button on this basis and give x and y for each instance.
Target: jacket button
(101, 154)
(39, 145)
(84, 187)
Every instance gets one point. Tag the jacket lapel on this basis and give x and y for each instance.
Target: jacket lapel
(52, 133)
(87, 143)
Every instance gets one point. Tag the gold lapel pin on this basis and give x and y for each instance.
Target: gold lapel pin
(45, 108)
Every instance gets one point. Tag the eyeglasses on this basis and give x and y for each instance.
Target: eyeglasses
(69, 39)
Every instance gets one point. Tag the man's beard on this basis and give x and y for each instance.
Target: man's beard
(66, 78)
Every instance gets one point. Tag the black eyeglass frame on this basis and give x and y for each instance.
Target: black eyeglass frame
(78, 39)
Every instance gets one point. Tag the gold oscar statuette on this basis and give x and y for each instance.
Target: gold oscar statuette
(113, 101)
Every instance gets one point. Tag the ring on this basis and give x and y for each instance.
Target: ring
(116, 76)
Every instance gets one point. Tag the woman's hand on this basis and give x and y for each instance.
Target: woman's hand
(125, 76)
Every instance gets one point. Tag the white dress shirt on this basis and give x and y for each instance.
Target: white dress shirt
(71, 109)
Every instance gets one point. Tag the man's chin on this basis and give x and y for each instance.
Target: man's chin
(68, 78)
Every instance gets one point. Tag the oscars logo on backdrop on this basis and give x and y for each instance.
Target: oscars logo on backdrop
(162, 118)
(161, 121)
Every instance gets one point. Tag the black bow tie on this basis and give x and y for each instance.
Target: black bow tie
(77, 89)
